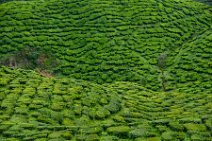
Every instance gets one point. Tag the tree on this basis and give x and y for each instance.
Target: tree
(162, 66)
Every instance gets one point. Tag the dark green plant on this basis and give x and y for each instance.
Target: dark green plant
(162, 66)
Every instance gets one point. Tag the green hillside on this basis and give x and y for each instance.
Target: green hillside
(39, 108)
(118, 41)
(103, 70)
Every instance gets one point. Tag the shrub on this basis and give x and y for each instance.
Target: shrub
(208, 123)
(113, 108)
(138, 133)
(67, 122)
(148, 139)
(190, 120)
(118, 118)
(168, 136)
(92, 137)
(21, 110)
(57, 106)
(4, 81)
(93, 130)
(108, 138)
(176, 126)
(119, 130)
(67, 135)
(55, 135)
(191, 127)
(161, 121)
(24, 99)
(102, 113)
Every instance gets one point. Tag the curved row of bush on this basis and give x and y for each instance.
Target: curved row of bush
(33, 107)
(119, 40)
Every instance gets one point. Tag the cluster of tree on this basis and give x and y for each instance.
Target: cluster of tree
(30, 58)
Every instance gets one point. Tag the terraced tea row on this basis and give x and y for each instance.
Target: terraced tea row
(192, 66)
(118, 41)
(38, 108)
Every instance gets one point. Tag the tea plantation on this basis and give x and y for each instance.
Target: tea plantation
(39, 108)
(103, 70)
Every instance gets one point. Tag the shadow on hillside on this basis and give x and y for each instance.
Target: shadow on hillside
(4, 1)
(208, 2)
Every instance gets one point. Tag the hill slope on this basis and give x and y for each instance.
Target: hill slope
(116, 70)
(38, 108)
(107, 41)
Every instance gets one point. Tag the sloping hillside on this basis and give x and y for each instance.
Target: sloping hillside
(102, 70)
(39, 108)
(107, 41)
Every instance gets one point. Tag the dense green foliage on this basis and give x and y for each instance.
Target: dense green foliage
(206, 1)
(122, 70)
(38, 108)
(118, 41)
